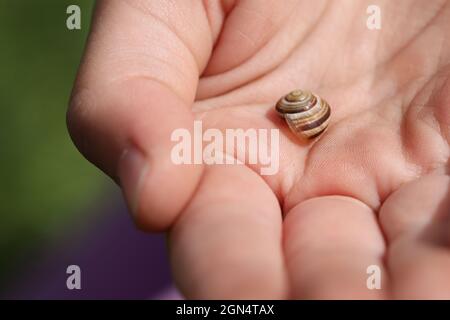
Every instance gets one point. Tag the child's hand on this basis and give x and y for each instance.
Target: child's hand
(374, 190)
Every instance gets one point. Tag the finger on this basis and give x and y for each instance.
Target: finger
(135, 86)
(414, 206)
(259, 39)
(329, 243)
(227, 243)
(249, 25)
(416, 219)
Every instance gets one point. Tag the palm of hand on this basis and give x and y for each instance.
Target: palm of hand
(370, 191)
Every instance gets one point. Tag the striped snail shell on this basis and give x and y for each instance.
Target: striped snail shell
(306, 114)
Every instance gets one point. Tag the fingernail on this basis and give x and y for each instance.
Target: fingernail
(133, 167)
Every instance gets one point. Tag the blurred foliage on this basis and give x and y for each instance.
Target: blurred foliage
(45, 182)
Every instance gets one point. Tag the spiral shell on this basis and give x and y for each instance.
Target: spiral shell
(306, 114)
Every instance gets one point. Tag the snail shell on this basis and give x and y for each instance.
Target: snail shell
(306, 114)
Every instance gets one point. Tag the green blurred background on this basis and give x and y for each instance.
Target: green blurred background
(45, 183)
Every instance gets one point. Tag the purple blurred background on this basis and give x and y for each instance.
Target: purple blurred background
(116, 260)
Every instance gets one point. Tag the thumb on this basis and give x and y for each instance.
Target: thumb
(135, 86)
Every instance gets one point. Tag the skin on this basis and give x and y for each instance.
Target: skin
(373, 190)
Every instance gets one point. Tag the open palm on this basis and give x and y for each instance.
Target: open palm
(372, 191)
